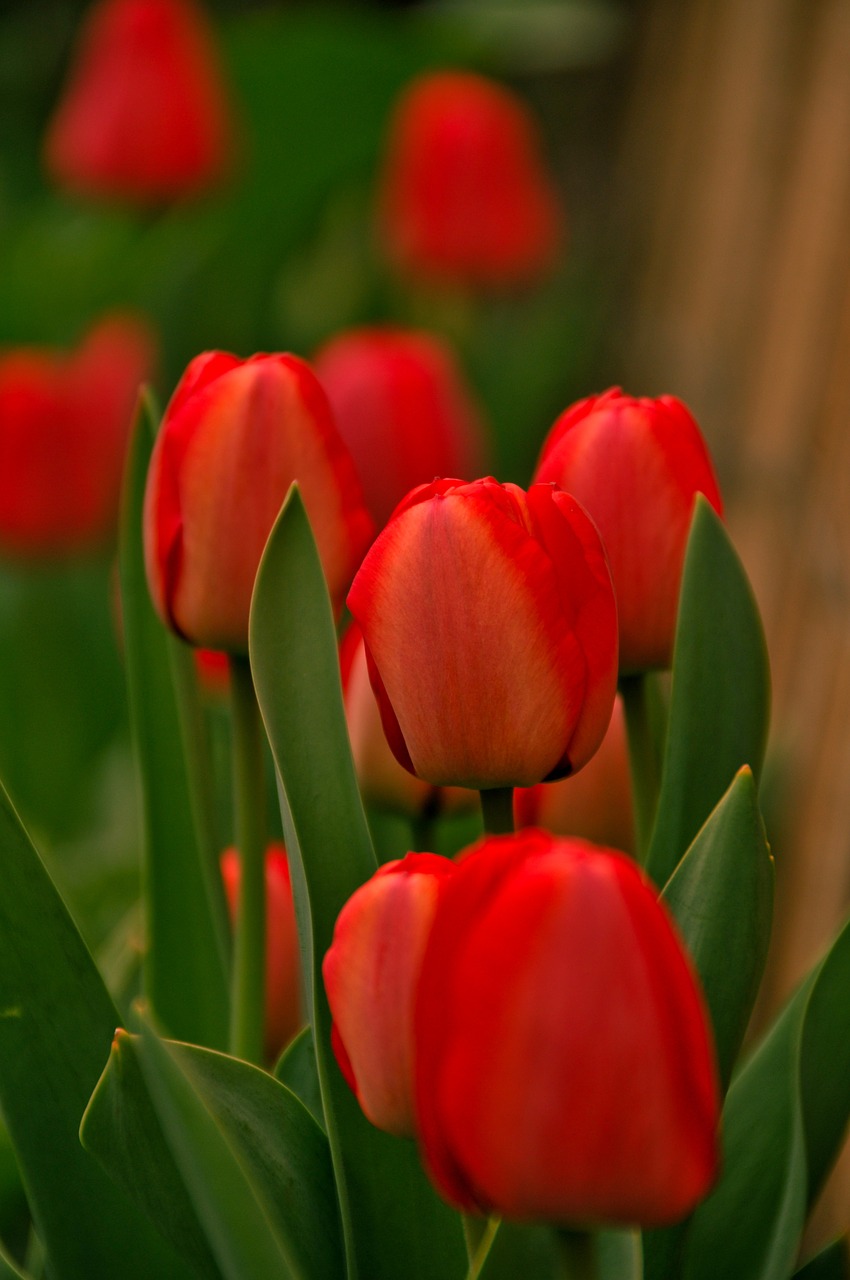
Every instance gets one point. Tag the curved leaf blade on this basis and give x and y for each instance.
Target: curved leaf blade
(393, 1222)
(56, 1025)
(185, 968)
(296, 1068)
(721, 895)
(720, 697)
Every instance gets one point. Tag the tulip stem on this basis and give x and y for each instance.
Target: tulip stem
(497, 805)
(249, 955)
(643, 758)
(479, 1242)
(578, 1255)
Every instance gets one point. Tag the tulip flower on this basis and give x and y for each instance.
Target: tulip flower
(465, 198)
(383, 781)
(144, 116)
(283, 976)
(235, 435)
(404, 410)
(491, 633)
(596, 804)
(563, 1068)
(64, 423)
(213, 668)
(370, 974)
(637, 466)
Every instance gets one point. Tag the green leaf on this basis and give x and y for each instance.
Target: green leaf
(185, 973)
(217, 1128)
(296, 1068)
(511, 1249)
(393, 1222)
(830, 1264)
(720, 698)
(785, 1116)
(56, 1025)
(9, 1270)
(721, 895)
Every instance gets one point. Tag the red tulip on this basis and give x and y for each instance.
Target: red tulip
(383, 781)
(465, 197)
(144, 116)
(637, 466)
(235, 436)
(491, 633)
(403, 409)
(64, 422)
(564, 1069)
(213, 668)
(283, 989)
(370, 973)
(596, 804)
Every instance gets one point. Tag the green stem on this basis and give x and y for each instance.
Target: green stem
(479, 1252)
(473, 1231)
(643, 760)
(497, 805)
(578, 1255)
(249, 957)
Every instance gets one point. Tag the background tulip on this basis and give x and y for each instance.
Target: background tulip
(370, 973)
(637, 466)
(491, 633)
(235, 435)
(382, 779)
(563, 1064)
(465, 197)
(64, 422)
(144, 116)
(595, 804)
(403, 408)
(283, 974)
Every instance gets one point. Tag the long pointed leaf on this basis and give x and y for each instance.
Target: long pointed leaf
(393, 1222)
(185, 962)
(720, 698)
(784, 1120)
(56, 1025)
(722, 897)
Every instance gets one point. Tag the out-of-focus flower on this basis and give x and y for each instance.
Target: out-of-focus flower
(64, 423)
(283, 974)
(382, 779)
(370, 973)
(144, 116)
(235, 435)
(637, 466)
(213, 668)
(491, 633)
(404, 410)
(563, 1065)
(596, 804)
(465, 197)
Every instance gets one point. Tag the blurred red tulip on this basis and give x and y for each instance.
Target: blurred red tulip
(283, 974)
(370, 973)
(213, 668)
(637, 466)
(64, 423)
(465, 197)
(235, 435)
(404, 410)
(144, 116)
(596, 804)
(383, 781)
(563, 1067)
(491, 633)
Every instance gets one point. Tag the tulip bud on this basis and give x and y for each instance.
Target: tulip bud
(403, 409)
(491, 633)
(213, 669)
(465, 197)
(383, 781)
(144, 116)
(637, 466)
(235, 436)
(596, 804)
(64, 422)
(564, 1069)
(370, 974)
(283, 973)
